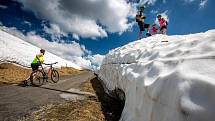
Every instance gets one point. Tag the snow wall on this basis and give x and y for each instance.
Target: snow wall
(16, 50)
(164, 81)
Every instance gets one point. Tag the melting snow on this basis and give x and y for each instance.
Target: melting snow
(164, 81)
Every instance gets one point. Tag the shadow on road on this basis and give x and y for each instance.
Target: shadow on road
(111, 107)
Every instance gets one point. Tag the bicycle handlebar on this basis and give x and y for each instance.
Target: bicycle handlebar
(50, 63)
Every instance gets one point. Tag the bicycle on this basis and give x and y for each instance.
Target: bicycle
(38, 77)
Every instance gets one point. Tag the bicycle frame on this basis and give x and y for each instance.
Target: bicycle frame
(49, 70)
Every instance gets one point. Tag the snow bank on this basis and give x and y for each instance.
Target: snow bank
(164, 81)
(14, 49)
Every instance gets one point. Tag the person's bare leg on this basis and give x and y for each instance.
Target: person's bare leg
(164, 31)
(148, 29)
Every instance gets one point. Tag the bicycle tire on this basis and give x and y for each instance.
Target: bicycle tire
(39, 80)
(55, 76)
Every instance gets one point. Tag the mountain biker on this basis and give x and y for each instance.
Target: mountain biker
(38, 60)
(163, 24)
(140, 20)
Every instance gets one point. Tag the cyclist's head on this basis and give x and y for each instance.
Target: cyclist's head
(42, 51)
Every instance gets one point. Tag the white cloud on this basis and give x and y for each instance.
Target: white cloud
(203, 3)
(3, 6)
(164, 15)
(66, 51)
(75, 36)
(55, 32)
(189, 1)
(147, 2)
(82, 62)
(27, 22)
(96, 59)
(153, 11)
(86, 18)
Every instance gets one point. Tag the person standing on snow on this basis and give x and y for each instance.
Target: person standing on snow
(163, 24)
(140, 20)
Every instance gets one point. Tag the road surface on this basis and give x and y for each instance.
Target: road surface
(17, 101)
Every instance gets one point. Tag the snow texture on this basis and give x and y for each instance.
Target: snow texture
(164, 81)
(16, 50)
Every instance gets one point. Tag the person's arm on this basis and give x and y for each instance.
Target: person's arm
(143, 17)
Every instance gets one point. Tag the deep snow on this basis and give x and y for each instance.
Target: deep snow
(14, 49)
(164, 81)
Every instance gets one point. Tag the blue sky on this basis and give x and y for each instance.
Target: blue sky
(98, 26)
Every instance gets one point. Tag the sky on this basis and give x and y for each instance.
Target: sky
(83, 31)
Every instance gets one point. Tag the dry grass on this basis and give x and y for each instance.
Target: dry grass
(101, 108)
(14, 74)
(68, 71)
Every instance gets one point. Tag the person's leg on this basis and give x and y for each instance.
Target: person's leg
(147, 26)
(33, 67)
(140, 34)
(141, 30)
(163, 30)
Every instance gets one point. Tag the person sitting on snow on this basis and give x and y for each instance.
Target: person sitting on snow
(154, 29)
(163, 24)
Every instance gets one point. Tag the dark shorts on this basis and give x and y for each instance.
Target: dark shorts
(35, 66)
(163, 27)
(142, 26)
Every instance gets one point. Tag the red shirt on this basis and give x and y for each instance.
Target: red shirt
(162, 22)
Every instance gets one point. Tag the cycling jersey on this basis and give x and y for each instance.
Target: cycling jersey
(40, 57)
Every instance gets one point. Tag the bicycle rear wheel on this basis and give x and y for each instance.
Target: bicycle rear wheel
(55, 76)
(37, 78)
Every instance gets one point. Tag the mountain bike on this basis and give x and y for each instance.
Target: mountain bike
(38, 77)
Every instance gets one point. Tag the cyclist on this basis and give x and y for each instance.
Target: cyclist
(38, 60)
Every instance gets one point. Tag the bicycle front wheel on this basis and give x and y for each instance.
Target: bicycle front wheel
(55, 76)
(37, 78)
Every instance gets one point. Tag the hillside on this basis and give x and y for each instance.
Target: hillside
(16, 50)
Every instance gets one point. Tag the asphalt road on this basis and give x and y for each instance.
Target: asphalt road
(17, 101)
